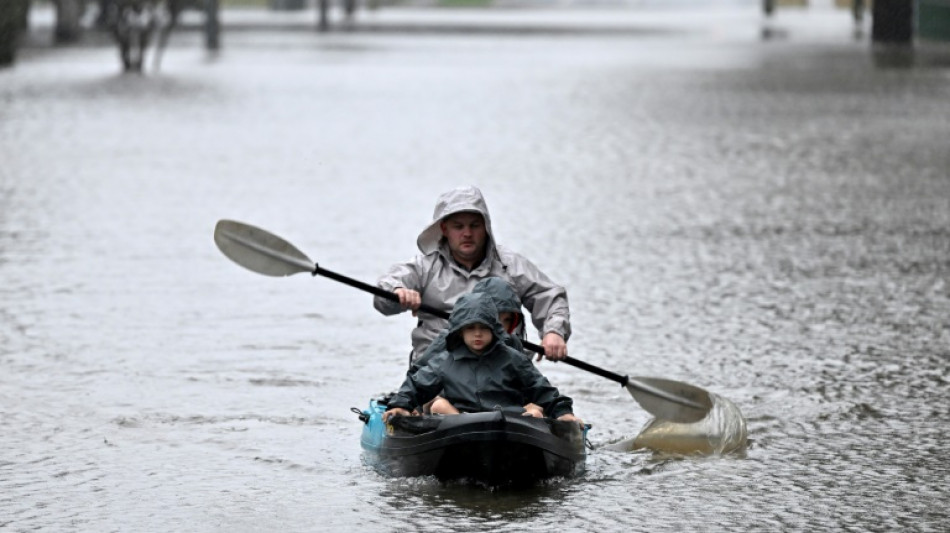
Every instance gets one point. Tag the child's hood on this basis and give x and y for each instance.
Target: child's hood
(501, 293)
(470, 309)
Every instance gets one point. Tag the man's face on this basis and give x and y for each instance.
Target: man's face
(466, 236)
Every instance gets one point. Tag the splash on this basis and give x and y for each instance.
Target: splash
(722, 431)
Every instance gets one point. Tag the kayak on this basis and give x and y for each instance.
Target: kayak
(496, 448)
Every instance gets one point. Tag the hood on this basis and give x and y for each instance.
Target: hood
(505, 299)
(501, 293)
(469, 309)
(463, 199)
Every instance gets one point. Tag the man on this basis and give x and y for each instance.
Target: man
(459, 249)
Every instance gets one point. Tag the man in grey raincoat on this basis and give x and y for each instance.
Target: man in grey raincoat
(459, 249)
(477, 373)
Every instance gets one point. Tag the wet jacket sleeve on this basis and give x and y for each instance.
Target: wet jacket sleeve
(544, 299)
(408, 275)
(538, 390)
(437, 346)
(420, 386)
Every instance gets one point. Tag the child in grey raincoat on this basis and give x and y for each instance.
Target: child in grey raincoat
(478, 372)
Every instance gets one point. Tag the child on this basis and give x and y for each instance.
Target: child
(512, 322)
(509, 314)
(477, 371)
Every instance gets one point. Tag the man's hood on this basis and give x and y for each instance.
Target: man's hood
(461, 200)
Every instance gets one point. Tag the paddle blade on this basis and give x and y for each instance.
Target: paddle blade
(722, 431)
(670, 400)
(259, 251)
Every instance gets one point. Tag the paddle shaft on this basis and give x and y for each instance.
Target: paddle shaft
(265, 253)
(382, 293)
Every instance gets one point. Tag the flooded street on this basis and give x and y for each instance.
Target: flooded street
(767, 219)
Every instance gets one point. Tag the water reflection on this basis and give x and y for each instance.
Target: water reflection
(893, 56)
(765, 220)
(478, 502)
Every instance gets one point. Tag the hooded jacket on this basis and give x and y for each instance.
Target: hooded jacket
(500, 377)
(440, 280)
(505, 300)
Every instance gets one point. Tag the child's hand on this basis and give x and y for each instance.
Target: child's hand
(571, 418)
(533, 410)
(395, 411)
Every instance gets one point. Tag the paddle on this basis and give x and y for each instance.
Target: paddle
(265, 253)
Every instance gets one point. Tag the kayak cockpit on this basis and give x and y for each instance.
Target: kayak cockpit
(494, 448)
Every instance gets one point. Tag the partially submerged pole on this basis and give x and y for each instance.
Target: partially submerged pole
(323, 19)
(212, 25)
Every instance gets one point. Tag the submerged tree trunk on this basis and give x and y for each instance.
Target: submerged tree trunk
(24, 9)
(68, 16)
(13, 17)
(323, 19)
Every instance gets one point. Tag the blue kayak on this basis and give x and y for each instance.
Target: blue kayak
(494, 448)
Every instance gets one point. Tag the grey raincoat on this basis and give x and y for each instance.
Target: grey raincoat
(440, 280)
(500, 377)
(505, 300)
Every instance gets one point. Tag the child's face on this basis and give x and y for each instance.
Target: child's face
(476, 337)
(507, 319)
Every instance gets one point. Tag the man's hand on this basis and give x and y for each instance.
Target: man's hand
(409, 299)
(554, 346)
(396, 411)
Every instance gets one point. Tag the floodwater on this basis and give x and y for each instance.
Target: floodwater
(765, 218)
